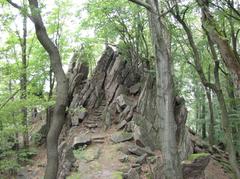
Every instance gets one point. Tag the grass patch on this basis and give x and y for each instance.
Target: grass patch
(79, 153)
(117, 175)
(74, 176)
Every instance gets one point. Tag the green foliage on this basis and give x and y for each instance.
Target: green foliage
(117, 175)
(11, 160)
(75, 175)
(79, 153)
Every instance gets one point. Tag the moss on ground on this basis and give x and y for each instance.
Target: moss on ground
(117, 175)
(74, 176)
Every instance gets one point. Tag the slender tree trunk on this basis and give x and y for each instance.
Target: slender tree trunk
(165, 98)
(196, 113)
(224, 113)
(203, 115)
(23, 80)
(62, 91)
(232, 104)
(230, 58)
(49, 108)
(215, 87)
(211, 130)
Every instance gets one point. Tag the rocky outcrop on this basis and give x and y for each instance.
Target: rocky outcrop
(128, 96)
(146, 129)
(195, 169)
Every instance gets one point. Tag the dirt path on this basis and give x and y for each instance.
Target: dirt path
(102, 159)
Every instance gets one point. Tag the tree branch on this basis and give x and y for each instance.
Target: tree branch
(15, 4)
(19, 8)
(11, 97)
(143, 4)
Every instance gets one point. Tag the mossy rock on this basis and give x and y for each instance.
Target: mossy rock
(196, 156)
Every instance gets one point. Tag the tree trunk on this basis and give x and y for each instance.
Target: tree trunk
(224, 113)
(203, 114)
(165, 99)
(23, 80)
(215, 87)
(228, 56)
(61, 90)
(211, 130)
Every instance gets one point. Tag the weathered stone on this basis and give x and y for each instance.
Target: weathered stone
(140, 151)
(80, 141)
(22, 174)
(91, 125)
(118, 108)
(129, 115)
(121, 90)
(123, 159)
(133, 174)
(75, 121)
(121, 137)
(135, 88)
(121, 125)
(124, 148)
(195, 168)
(137, 136)
(142, 159)
(98, 137)
(77, 116)
(107, 118)
(130, 127)
(82, 115)
(123, 114)
(123, 101)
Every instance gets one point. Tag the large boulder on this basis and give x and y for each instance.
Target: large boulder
(195, 166)
(121, 137)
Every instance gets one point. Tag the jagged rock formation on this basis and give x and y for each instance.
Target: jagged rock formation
(123, 94)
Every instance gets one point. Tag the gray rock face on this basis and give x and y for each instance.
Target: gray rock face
(121, 125)
(147, 131)
(123, 158)
(140, 151)
(142, 159)
(123, 101)
(121, 137)
(80, 141)
(77, 74)
(133, 174)
(66, 160)
(77, 116)
(135, 88)
(195, 169)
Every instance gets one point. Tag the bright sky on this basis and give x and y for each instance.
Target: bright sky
(71, 23)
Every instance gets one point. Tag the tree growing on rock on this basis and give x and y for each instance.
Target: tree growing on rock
(164, 86)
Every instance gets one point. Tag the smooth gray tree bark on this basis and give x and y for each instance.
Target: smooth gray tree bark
(166, 123)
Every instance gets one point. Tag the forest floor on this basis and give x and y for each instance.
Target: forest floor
(103, 159)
